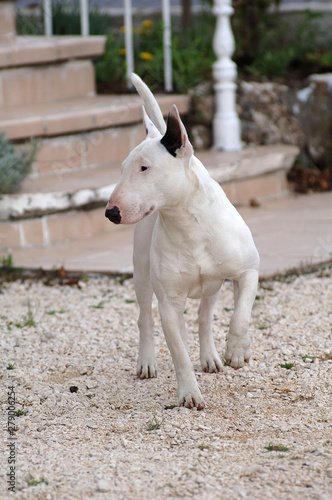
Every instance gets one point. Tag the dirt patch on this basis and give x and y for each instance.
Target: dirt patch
(265, 431)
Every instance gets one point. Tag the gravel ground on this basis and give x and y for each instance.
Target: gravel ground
(266, 431)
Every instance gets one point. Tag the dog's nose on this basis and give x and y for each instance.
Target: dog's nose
(113, 215)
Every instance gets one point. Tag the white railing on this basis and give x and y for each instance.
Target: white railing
(84, 10)
(129, 43)
(226, 124)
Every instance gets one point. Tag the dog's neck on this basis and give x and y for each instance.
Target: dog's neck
(200, 192)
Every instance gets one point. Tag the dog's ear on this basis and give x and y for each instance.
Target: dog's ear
(176, 139)
(151, 130)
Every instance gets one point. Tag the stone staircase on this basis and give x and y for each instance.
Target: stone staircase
(47, 91)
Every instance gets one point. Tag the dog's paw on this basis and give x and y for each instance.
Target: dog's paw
(191, 399)
(238, 351)
(146, 368)
(211, 363)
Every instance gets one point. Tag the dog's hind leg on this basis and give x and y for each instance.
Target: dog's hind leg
(210, 360)
(238, 341)
(146, 363)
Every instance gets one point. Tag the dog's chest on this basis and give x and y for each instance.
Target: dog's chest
(191, 268)
(204, 279)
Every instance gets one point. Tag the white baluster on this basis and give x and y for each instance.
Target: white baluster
(129, 44)
(167, 45)
(48, 28)
(84, 17)
(226, 123)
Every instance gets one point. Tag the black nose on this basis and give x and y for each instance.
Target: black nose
(113, 215)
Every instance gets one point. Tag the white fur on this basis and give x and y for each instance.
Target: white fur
(191, 242)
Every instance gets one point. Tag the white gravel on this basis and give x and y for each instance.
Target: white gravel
(96, 443)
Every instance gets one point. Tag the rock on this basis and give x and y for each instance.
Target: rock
(202, 107)
(266, 115)
(313, 109)
(103, 485)
(200, 136)
(199, 121)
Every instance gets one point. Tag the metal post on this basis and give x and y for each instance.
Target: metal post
(129, 40)
(167, 46)
(48, 17)
(84, 17)
(226, 123)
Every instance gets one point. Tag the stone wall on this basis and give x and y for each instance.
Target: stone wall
(272, 113)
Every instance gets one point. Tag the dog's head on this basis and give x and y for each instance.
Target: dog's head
(154, 174)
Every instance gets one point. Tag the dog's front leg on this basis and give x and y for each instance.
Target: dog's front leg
(238, 341)
(146, 362)
(171, 312)
(210, 360)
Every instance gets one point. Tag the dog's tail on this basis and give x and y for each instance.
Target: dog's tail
(150, 103)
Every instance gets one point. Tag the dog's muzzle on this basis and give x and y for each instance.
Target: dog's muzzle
(113, 215)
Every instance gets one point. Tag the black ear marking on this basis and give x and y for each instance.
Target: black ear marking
(172, 139)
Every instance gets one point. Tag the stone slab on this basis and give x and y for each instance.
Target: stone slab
(30, 50)
(288, 232)
(79, 115)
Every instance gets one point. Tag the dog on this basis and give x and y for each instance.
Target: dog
(188, 239)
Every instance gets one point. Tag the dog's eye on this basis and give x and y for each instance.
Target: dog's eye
(143, 169)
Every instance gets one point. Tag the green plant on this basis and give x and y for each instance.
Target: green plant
(35, 482)
(307, 356)
(100, 305)
(272, 63)
(6, 262)
(305, 40)
(153, 424)
(29, 319)
(276, 447)
(110, 67)
(192, 54)
(288, 366)
(54, 311)
(15, 165)
(203, 447)
(65, 20)
(266, 44)
(10, 366)
(20, 413)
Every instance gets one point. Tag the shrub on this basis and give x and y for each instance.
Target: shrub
(15, 165)
(192, 55)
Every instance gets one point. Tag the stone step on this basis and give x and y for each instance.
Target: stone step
(7, 19)
(18, 51)
(78, 115)
(65, 154)
(40, 84)
(51, 211)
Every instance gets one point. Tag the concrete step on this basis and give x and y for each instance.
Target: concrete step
(7, 19)
(18, 51)
(78, 115)
(83, 151)
(39, 84)
(290, 232)
(53, 209)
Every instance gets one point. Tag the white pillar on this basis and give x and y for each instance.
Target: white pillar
(167, 45)
(84, 17)
(226, 123)
(129, 39)
(48, 17)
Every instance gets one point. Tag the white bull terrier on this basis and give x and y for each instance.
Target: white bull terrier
(188, 240)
